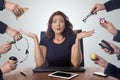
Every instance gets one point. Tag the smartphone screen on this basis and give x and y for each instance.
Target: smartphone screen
(61, 74)
(100, 74)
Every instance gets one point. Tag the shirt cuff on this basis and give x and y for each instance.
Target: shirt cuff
(2, 4)
(106, 66)
(115, 34)
(1, 75)
(1, 72)
(3, 27)
(118, 55)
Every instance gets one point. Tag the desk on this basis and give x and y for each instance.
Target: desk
(87, 75)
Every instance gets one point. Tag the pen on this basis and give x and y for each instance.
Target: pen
(23, 73)
(85, 19)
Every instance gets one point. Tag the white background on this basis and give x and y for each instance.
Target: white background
(36, 18)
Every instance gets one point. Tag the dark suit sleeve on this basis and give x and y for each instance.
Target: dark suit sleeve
(113, 71)
(2, 4)
(112, 4)
(1, 76)
(3, 27)
(117, 37)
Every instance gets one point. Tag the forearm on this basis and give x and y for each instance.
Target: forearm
(9, 30)
(39, 59)
(3, 70)
(76, 57)
(1, 50)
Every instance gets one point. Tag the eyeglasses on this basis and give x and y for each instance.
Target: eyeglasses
(26, 50)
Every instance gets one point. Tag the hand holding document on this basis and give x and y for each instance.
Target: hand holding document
(24, 9)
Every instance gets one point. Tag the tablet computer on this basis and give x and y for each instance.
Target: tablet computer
(62, 74)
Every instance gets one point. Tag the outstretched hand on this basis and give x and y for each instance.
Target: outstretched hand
(85, 34)
(32, 35)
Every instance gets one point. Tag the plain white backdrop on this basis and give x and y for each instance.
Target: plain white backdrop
(36, 18)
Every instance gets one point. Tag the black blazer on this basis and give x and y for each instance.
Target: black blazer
(117, 37)
(112, 70)
(112, 4)
(2, 4)
(1, 76)
(3, 26)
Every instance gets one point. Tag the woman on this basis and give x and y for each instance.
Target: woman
(60, 46)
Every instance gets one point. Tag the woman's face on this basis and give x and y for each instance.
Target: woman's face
(58, 24)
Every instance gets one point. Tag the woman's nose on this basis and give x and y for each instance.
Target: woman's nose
(58, 23)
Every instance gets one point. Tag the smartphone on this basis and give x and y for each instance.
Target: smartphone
(104, 44)
(62, 74)
(100, 74)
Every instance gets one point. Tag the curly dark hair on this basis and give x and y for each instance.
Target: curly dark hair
(68, 26)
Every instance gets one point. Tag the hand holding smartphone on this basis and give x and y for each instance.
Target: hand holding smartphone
(105, 44)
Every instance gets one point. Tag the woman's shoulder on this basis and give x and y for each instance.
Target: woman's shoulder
(44, 40)
(71, 36)
(44, 36)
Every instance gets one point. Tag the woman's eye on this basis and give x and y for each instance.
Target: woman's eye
(54, 21)
(62, 21)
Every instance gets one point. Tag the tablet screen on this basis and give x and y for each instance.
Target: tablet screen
(61, 74)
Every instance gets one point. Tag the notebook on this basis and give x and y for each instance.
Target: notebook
(51, 69)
